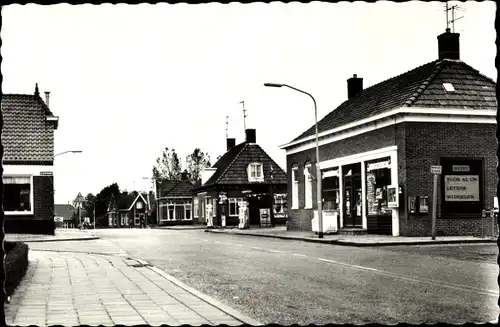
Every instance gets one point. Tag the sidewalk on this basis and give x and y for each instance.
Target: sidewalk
(60, 235)
(72, 289)
(182, 227)
(351, 240)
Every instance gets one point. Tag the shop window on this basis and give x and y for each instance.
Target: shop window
(196, 207)
(17, 193)
(295, 187)
(331, 190)
(308, 186)
(233, 207)
(280, 206)
(378, 179)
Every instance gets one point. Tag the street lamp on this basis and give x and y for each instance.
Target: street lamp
(318, 170)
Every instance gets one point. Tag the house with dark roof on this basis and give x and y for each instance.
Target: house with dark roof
(28, 159)
(377, 148)
(244, 175)
(63, 215)
(175, 202)
(129, 209)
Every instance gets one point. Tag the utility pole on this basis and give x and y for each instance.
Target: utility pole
(244, 115)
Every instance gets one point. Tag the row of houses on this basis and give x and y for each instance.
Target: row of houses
(375, 154)
(245, 175)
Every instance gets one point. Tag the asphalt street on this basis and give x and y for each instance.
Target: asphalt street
(287, 282)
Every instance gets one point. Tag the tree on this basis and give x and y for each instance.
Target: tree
(168, 167)
(88, 207)
(102, 201)
(196, 163)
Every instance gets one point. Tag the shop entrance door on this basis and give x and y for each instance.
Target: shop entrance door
(353, 201)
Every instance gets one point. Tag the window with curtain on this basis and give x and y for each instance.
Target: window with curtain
(308, 186)
(17, 191)
(295, 187)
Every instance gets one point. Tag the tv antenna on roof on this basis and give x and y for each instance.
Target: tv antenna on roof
(227, 124)
(453, 19)
(244, 115)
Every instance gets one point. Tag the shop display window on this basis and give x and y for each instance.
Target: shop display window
(331, 193)
(378, 179)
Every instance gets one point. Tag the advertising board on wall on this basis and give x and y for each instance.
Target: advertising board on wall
(461, 188)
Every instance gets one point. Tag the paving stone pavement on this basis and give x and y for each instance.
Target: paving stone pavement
(72, 289)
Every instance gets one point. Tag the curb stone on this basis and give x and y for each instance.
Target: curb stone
(356, 244)
(228, 310)
(58, 240)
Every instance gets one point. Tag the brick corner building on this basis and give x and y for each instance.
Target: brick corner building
(377, 147)
(28, 140)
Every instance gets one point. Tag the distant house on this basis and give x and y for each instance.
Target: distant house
(377, 149)
(63, 215)
(28, 159)
(244, 173)
(175, 203)
(128, 210)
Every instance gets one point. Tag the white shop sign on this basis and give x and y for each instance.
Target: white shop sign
(461, 168)
(461, 188)
(379, 165)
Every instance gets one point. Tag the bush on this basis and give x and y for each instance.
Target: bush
(15, 265)
(29, 226)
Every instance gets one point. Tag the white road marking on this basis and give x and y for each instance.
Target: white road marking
(382, 272)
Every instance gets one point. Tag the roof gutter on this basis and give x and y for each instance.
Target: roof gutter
(395, 112)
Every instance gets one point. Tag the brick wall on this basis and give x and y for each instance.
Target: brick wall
(420, 145)
(444, 227)
(373, 140)
(43, 194)
(426, 143)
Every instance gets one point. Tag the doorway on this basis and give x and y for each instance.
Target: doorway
(353, 201)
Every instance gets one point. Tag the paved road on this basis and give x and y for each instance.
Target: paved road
(286, 282)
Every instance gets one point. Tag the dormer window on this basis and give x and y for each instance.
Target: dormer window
(255, 172)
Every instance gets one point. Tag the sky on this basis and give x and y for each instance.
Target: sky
(129, 80)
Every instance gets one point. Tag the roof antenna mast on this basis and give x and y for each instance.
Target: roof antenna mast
(244, 115)
(453, 19)
(227, 124)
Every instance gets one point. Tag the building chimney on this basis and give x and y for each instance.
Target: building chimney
(449, 45)
(230, 143)
(354, 86)
(250, 135)
(47, 94)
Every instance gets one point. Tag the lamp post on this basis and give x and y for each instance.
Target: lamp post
(318, 170)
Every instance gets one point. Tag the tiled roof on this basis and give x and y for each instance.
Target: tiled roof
(26, 135)
(420, 87)
(179, 188)
(232, 166)
(64, 210)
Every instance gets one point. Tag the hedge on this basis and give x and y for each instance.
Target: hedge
(29, 226)
(15, 265)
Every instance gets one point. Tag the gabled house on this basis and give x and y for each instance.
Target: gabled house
(128, 210)
(175, 202)
(377, 149)
(245, 173)
(63, 215)
(28, 160)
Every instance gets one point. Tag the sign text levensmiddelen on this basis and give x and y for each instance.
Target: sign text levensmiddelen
(461, 188)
